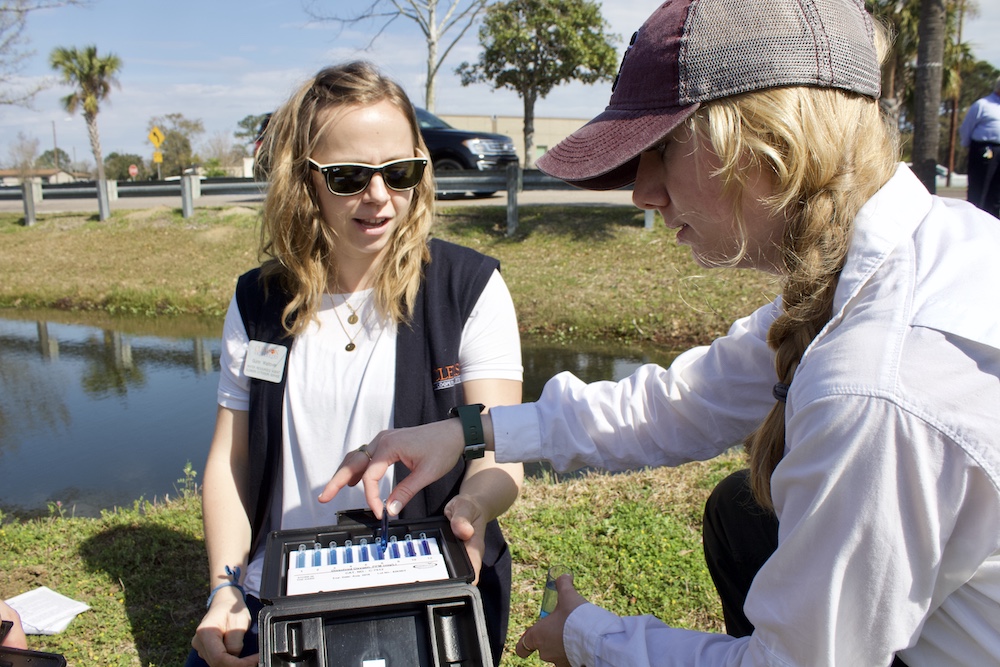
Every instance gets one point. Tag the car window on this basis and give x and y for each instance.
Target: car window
(429, 121)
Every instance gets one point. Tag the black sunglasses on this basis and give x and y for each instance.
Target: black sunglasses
(346, 179)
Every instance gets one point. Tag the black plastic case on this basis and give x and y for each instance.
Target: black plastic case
(14, 657)
(11, 657)
(422, 624)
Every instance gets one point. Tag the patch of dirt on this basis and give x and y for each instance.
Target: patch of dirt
(146, 214)
(215, 235)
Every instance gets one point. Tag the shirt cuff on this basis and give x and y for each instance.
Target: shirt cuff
(516, 436)
(585, 627)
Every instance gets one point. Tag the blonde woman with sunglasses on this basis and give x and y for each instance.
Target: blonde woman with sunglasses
(355, 322)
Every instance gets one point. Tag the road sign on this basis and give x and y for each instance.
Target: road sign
(133, 170)
(157, 157)
(156, 136)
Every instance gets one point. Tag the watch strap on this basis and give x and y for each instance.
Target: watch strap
(472, 428)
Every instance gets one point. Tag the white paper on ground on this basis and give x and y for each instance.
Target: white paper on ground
(45, 612)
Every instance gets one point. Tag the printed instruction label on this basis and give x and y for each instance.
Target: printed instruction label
(349, 567)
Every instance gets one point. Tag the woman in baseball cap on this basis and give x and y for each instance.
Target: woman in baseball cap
(866, 530)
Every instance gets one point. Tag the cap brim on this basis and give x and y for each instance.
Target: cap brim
(604, 153)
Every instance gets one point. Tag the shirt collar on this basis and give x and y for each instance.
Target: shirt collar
(951, 247)
(890, 216)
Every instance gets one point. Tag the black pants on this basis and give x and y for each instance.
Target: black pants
(984, 176)
(739, 536)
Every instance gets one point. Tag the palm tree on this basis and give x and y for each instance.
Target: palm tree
(927, 90)
(93, 76)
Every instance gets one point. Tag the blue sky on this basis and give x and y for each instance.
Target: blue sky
(219, 60)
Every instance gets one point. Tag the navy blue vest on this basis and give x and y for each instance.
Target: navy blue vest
(426, 369)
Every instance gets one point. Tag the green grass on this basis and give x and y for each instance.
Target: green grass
(576, 274)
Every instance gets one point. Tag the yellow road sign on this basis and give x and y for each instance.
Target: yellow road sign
(156, 136)
(157, 156)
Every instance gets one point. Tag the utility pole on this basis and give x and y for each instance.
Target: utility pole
(55, 145)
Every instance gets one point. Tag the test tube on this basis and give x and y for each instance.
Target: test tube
(549, 595)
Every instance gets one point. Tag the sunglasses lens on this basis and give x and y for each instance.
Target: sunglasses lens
(348, 179)
(403, 175)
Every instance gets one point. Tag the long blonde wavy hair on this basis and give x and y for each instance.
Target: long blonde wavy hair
(295, 243)
(828, 152)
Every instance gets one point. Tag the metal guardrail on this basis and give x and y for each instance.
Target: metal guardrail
(512, 181)
(447, 181)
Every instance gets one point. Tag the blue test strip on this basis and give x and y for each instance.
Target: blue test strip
(384, 537)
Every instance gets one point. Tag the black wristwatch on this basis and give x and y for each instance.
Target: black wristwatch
(472, 428)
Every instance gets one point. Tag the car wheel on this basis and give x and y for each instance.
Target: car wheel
(447, 164)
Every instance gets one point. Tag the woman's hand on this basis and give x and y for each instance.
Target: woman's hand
(428, 451)
(468, 522)
(349, 473)
(15, 636)
(219, 637)
(546, 635)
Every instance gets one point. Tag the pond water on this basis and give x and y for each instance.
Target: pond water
(100, 413)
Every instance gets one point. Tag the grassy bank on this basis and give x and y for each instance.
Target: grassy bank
(575, 274)
(633, 541)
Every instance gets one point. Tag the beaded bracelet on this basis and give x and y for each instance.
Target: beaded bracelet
(234, 580)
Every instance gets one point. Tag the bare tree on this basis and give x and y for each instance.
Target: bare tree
(434, 21)
(14, 49)
(222, 157)
(23, 153)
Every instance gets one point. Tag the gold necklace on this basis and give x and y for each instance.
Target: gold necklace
(353, 317)
(350, 347)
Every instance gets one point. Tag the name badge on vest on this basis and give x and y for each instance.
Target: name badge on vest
(265, 361)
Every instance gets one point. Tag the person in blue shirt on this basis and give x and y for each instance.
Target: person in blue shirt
(980, 133)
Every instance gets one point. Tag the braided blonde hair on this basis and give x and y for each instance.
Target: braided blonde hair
(829, 151)
(296, 241)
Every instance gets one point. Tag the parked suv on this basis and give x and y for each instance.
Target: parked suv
(463, 149)
(452, 149)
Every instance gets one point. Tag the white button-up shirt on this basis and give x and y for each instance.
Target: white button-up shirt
(888, 496)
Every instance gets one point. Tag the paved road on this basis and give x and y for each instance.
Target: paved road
(561, 197)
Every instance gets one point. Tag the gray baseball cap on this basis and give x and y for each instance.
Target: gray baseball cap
(694, 51)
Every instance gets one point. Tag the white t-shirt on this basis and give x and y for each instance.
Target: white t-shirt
(336, 400)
